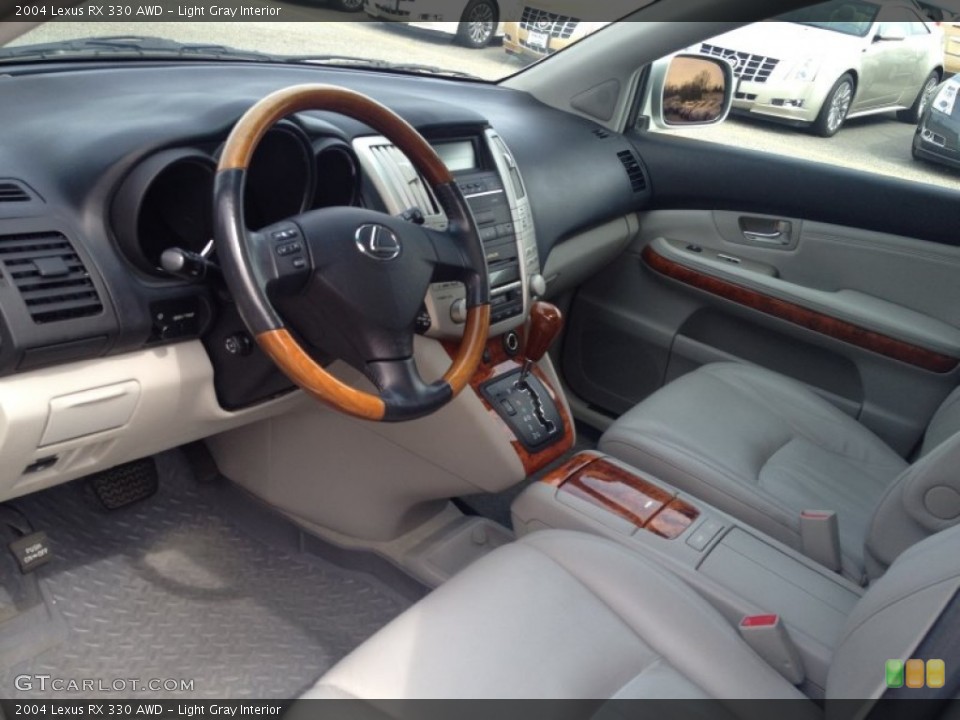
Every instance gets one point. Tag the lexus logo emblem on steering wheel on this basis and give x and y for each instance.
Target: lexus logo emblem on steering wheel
(377, 241)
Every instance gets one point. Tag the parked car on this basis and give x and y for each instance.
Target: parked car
(474, 23)
(938, 132)
(940, 11)
(948, 18)
(540, 32)
(820, 66)
(951, 49)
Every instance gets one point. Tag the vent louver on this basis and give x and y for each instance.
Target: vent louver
(13, 192)
(630, 163)
(403, 177)
(50, 276)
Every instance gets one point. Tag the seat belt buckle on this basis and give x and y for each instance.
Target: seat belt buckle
(820, 537)
(768, 637)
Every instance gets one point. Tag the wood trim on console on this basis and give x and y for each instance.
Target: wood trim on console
(560, 474)
(594, 479)
(676, 517)
(621, 492)
(496, 362)
(804, 317)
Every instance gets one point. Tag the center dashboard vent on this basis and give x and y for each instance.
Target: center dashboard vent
(406, 183)
(630, 163)
(50, 276)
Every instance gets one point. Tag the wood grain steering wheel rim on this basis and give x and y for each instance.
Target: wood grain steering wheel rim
(240, 270)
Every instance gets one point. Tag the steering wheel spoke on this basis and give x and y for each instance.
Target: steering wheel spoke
(403, 390)
(456, 260)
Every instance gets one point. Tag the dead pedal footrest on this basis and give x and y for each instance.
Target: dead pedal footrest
(126, 484)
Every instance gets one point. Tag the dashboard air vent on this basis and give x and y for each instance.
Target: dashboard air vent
(50, 276)
(13, 192)
(406, 182)
(630, 163)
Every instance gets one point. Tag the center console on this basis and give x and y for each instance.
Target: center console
(510, 382)
(490, 181)
(739, 570)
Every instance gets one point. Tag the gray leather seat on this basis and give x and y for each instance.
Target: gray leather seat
(562, 614)
(764, 448)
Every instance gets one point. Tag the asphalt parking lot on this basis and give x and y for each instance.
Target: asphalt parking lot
(876, 144)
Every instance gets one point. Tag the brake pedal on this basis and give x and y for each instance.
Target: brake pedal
(126, 484)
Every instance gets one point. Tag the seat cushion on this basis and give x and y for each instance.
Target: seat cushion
(561, 615)
(761, 447)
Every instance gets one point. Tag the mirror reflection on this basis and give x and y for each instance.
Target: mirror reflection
(693, 92)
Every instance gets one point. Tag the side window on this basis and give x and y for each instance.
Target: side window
(820, 85)
(905, 19)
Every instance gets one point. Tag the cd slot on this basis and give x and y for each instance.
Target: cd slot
(506, 302)
(505, 274)
(506, 288)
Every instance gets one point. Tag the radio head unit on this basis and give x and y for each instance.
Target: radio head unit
(487, 176)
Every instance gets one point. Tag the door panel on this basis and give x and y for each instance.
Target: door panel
(866, 319)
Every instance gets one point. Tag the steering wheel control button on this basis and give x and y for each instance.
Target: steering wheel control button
(378, 242)
(284, 234)
(289, 249)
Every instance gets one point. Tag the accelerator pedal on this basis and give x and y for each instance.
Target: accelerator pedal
(126, 484)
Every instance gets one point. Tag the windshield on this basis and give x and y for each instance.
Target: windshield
(459, 38)
(842, 16)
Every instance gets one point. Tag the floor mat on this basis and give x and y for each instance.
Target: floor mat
(171, 588)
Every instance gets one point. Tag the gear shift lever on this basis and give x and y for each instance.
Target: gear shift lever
(546, 321)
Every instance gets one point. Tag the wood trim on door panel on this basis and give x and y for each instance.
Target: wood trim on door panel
(804, 317)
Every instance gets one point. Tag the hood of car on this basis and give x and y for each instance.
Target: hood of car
(786, 40)
(945, 100)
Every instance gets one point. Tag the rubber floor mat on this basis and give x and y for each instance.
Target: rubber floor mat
(171, 589)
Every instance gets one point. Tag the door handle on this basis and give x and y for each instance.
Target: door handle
(775, 237)
(764, 231)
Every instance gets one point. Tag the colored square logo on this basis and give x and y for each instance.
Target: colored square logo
(915, 673)
(894, 673)
(936, 673)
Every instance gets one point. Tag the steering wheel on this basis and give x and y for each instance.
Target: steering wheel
(350, 281)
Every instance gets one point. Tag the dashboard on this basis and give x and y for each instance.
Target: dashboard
(130, 170)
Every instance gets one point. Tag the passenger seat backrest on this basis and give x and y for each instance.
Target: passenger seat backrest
(944, 424)
(925, 498)
(894, 615)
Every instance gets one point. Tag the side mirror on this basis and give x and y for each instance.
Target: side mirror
(891, 33)
(690, 89)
